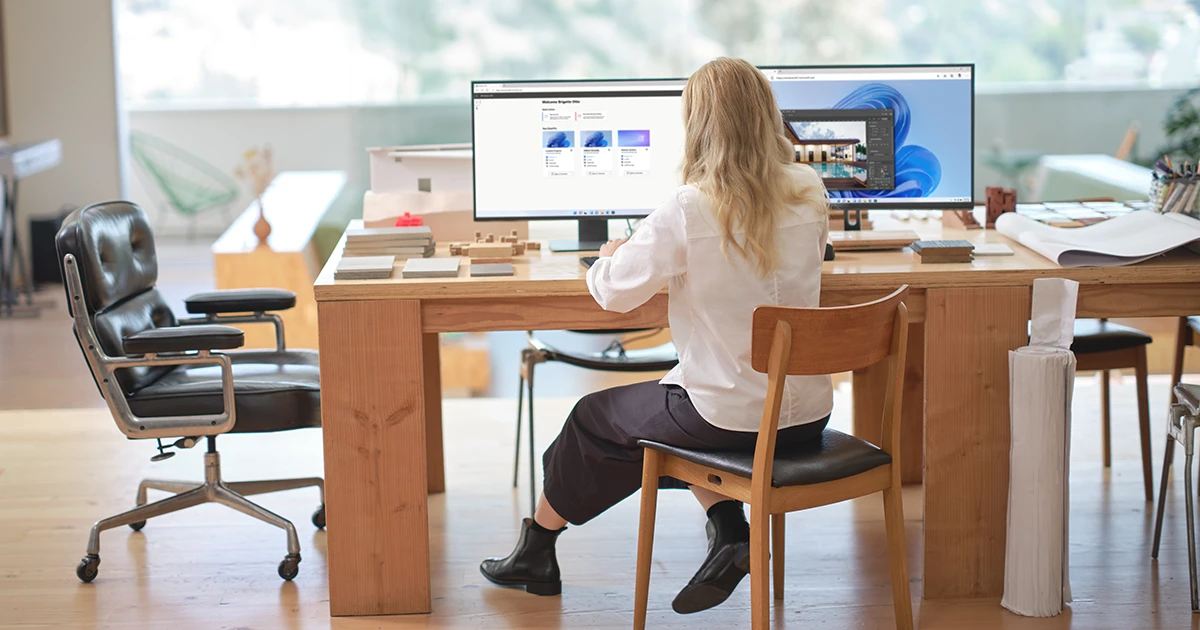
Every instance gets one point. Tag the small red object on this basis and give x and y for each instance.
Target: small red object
(408, 221)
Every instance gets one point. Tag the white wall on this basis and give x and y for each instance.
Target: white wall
(60, 68)
(335, 138)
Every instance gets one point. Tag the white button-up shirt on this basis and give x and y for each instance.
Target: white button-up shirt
(712, 300)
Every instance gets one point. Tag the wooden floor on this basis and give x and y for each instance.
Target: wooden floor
(210, 567)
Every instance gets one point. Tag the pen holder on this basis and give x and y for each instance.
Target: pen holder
(1176, 194)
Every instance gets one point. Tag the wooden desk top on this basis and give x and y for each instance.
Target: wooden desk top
(294, 204)
(547, 273)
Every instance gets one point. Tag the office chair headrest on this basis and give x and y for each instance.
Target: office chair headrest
(114, 249)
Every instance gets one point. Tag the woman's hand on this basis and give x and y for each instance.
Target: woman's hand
(610, 248)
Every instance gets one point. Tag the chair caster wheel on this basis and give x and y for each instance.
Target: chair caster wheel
(290, 567)
(88, 568)
(318, 517)
(137, 527)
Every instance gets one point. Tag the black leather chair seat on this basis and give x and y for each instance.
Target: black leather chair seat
(835, 456)
(273, 391)
(1093, 335)
(656, 359)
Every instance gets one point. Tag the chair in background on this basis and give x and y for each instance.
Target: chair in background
(1181, 427)
(614, 358)
(1103, 346)
(164, 378)
(188, 184)
(838, 467)
(1189, 335)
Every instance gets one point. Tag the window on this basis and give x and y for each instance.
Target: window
(280, 53)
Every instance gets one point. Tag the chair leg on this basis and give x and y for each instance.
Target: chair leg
(1143, 398)
(532, 449)
(893, 516)
(1191, 519)
(174, 503)
(250, 488)
(760, 595)
(1168, 455)
(520, 417)
(651, 466)
(166, 485)
(778, 536)
(229, 498)
(1105, 424)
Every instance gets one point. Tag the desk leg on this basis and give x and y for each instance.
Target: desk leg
(967, 436)
(372, 408)
(434, 460)
(869, 386)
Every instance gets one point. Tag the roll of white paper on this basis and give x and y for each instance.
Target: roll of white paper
(1041, 380)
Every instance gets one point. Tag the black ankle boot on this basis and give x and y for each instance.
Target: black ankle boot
(727, 563)
(532, 565)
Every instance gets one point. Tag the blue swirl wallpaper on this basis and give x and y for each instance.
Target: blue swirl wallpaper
(932, 129)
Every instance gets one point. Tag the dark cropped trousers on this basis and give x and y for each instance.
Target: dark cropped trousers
(595, 461)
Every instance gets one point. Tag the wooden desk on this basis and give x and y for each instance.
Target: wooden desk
(295, 203)
(381, 404)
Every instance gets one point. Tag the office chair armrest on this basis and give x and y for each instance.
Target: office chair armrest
(248, 306)
(240, 301)
(183, 339)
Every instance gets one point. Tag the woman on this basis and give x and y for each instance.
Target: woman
(748, 228)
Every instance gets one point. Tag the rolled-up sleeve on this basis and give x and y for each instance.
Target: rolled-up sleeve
(655, 253)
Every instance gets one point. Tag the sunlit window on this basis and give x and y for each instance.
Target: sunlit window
(280, 53)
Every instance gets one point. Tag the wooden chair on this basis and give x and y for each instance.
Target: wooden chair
(838, 467)
(1102, 346)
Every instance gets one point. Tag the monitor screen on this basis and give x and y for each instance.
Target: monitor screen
(574, 149)
(888, 136)
(883, 137)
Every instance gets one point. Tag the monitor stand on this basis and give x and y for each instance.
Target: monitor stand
(592, 234)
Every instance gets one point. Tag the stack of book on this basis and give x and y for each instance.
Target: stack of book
(401, 242)
(944, 251)
(364, 268)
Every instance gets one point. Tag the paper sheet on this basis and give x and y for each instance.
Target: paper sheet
(1121, 240)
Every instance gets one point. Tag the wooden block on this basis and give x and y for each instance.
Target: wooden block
(487, 260)
(518, 248)
(491, 238)
(509, 239)
(963, 219)
(490, 250)
(967, 436)
(533, 245)
(458, 249)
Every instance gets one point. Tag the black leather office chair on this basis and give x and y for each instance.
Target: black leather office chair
(614, 358)
(1103, 346)
(163, 378)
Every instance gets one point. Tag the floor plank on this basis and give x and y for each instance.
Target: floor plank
(212, 568)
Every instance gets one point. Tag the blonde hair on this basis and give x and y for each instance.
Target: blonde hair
(736, 153)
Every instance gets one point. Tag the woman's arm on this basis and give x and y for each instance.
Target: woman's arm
(641, 267)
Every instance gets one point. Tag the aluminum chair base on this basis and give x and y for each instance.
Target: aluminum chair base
(1181, 427)
(212, 490)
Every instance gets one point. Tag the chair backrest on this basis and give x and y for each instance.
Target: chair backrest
(113, 249)
(828, 340)
(809, 341)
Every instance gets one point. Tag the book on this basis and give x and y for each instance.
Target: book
(364, 268)
(492, 269)
(955, 251)
(430, 268)
(413, 233)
